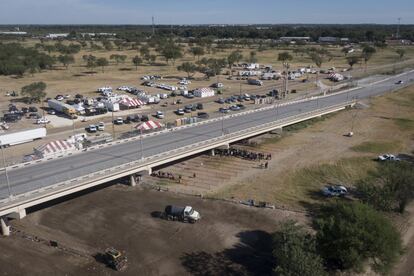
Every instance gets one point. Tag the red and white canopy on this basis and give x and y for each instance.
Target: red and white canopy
(55, 147)
(130, 102)
(148, 125)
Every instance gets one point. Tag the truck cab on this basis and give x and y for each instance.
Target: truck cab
(184, 214)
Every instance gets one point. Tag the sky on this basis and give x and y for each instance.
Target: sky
(206, 11)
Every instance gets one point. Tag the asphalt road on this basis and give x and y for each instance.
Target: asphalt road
(48, 173)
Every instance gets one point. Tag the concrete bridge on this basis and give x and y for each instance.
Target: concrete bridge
(33, 183)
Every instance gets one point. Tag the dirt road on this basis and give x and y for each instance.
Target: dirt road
(230, 239)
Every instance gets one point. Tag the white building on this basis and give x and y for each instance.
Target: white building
(203, 92)
(55, 36)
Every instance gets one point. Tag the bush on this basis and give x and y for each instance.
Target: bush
(389, 188)
(350, 234)
(295, 252)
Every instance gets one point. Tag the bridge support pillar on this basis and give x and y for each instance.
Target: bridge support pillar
(5, 228)
(132, 181)
(212, 153)
(18, 215)
(277, 131)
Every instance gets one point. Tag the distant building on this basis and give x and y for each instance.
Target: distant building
(295, 38)
(55, 36)
(398, 42)
(332, 39)
(13, 33)
(97, 34)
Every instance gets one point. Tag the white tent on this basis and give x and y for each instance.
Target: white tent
(203, 92)
(54, 148)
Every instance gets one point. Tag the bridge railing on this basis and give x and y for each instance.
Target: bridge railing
(169, 155)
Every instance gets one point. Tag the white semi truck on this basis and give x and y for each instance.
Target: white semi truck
(19, 137)
(184, 214)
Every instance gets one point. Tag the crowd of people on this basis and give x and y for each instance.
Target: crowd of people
(244, 154)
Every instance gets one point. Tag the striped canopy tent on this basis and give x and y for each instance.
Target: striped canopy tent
(131, 103)
(150, 125)
(54, 148)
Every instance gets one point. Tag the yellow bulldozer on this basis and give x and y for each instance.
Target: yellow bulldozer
(115, 259)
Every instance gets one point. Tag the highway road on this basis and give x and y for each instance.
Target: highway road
(51, 172)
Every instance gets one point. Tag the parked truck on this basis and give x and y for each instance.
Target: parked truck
(184, 214)
(62, 108)
(255, 82)
(19, 137)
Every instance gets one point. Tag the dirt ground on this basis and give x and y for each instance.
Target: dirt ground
(230, 239)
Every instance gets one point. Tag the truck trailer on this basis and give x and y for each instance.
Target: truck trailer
(62, 108)
(19, 137)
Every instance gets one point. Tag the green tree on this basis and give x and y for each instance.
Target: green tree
(352, 60)
(136, 61)
(234, 57)
(172, 52)
(102, 62)
(295, 252)
(284, 57)
(197, 51)
(66, 60)
(188, 67)
(108, 45)
(367, 53)
(118, 58)
(351, 234)
(253, 57)
(400, 52)
(34, 92)
(144, 50)
(390, 187)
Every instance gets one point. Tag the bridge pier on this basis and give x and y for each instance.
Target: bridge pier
(277, 131)
(136, 178)
(5, 227)
(18, 215)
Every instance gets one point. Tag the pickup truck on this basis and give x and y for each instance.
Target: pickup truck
(388, 157)
(184, 214)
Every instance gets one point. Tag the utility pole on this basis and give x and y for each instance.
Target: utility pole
(141, 144)
(5, 169)
(113, 124)
(153, 26)
(398, 28)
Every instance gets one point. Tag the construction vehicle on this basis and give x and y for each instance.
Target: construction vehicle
(184, 214)
(115, 259)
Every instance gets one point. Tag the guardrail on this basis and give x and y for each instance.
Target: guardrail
(158, 159)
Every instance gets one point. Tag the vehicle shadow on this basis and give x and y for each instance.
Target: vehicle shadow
(251, 256)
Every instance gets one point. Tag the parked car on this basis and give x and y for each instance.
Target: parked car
(92, 128)
(203, 115)
(119, 121)
(42, 121)
(388, 157)
(224, 110)
(220, 101)
(144, 118)
(25, 110)
(32, 109)
(399, 82)
(59, 97)
(199, 106)
(159, 115)
(179, 111)
(217, 85)
(234, 108)
(241, 106)
(337, 190)
(101, 126)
